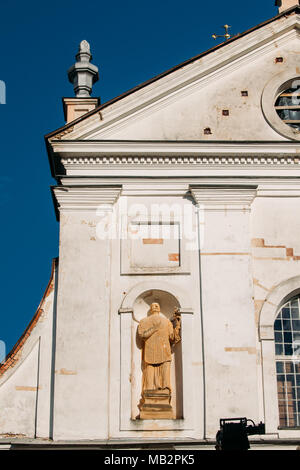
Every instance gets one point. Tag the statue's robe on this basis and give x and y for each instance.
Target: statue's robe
(157, 353)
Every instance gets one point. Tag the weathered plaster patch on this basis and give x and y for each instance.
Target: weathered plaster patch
(66, 372)
(61, 134)
(226, 254)
(258, 306)
(25, 388)
(241, 349)
(173, 256)
(257, 283)
(289, 252)
(153, 241)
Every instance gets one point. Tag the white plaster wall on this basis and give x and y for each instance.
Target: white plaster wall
(93, 355)
(82, 345)
(275, 221)
(18, 399)
(25, 388)
(122, 426)
(201, 106)
(229, 327)
(89, 382)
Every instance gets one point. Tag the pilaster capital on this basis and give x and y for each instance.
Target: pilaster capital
(229, 197)
(74, 198)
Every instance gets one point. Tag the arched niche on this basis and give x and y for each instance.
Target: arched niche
(180, 294)
(141, 307)
(134, 306)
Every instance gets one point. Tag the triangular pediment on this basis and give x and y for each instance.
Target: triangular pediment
(216, 96)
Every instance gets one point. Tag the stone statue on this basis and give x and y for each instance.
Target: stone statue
(158, 334)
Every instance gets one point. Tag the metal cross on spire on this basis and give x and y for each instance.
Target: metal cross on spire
(226, 36)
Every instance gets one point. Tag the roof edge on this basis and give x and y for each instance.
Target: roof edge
(295, 9)
(11, 359)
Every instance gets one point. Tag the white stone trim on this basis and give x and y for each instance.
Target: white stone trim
(85, 198)
(273, 302)
(122, 152)
(160, 161)
(127, 310)
(166, 186)
(220, 197)
(180, 294)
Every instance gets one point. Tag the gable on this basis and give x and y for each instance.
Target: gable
(204, 95)
(225, 107)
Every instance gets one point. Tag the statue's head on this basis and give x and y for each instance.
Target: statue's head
(154, 308)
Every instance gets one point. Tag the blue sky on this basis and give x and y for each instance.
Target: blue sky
(131, 42)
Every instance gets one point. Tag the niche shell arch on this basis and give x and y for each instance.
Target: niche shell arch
(181, 296)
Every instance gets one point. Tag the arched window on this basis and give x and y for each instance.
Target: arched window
(287, 351)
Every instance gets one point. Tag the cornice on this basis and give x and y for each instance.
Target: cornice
(219, 197)
(161, 161)
(155, 158)
(155, 149)
(85, 198)
(136, 158)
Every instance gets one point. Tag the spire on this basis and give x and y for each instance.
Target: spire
(83, 74)
(286, 4)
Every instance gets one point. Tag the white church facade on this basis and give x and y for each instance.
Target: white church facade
(182, 192)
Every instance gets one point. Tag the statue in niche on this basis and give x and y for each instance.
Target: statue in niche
(157, 334)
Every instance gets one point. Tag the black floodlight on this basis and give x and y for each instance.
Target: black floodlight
(233, 433)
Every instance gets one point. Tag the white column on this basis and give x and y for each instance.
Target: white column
(230, 336)
(83, 306)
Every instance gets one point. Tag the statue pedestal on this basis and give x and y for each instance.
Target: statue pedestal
(156, 405)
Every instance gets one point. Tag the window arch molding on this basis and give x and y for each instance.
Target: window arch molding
(279, 295)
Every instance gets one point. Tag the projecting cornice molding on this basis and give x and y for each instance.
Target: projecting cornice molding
(85, 198)
(177, 161)
(91, 158)
(180, 149)
(220, 197)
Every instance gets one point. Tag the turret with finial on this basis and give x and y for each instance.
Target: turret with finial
(83, 74)
(286, 4)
